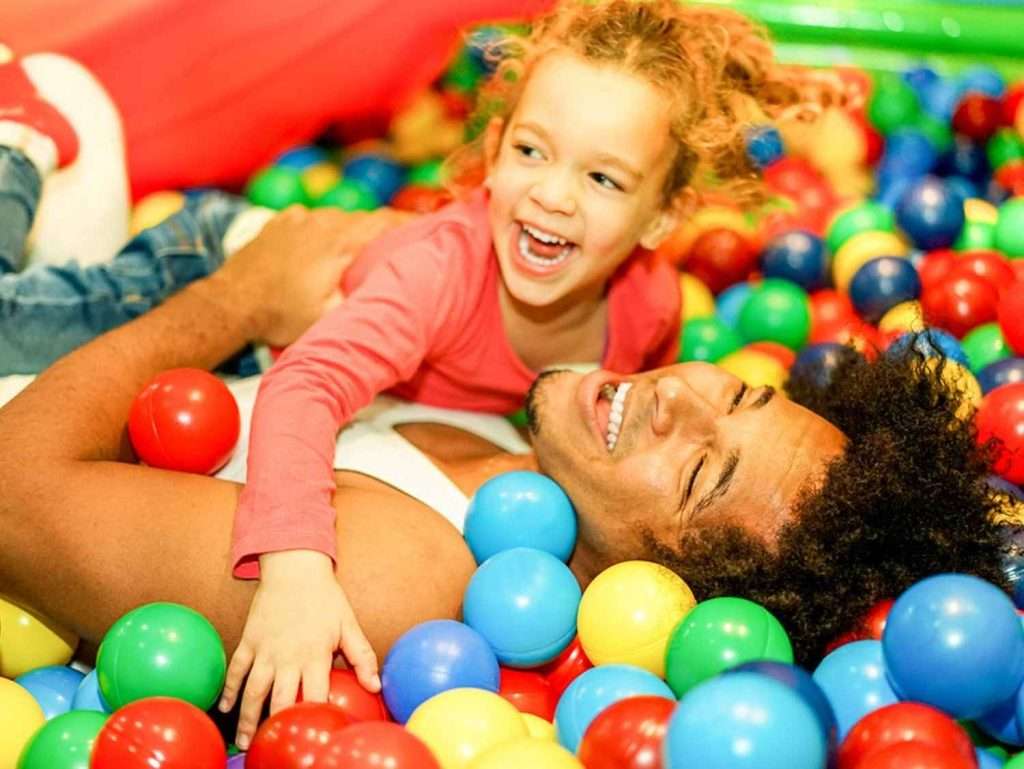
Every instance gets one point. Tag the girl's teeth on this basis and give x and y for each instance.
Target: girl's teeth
(535, 259)
(544, 236)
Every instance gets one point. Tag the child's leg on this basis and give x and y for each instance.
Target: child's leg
(47, 311)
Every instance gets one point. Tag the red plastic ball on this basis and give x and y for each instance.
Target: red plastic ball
(627, 735)
(916, 755)
(781, 353)
(184, 419)
(903, 722)
(159, 732)
(1011, 102)
(721, 257)
(1011, 177)
(874, 143)
(873, 624)
(564, 668)
(1011, 315)
(829, 307)
(977, 116)
(960, 303)
(989, 265)
(863, 337)
(379, 745)
(420, 199)
(303, 736)
(934, 267)
(1001, 418)
(529, 691)
(348, 694)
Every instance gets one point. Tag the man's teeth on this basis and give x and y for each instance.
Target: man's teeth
(615, 416)
(545, 236)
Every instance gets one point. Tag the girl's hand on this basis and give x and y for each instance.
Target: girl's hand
(299, 617)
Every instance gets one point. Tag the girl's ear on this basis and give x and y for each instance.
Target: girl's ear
(669, 218)
(492, 143)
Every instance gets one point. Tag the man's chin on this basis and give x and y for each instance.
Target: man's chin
(536, 400)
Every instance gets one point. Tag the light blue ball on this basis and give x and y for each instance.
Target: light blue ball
(988, 760)
(955, 642)
(853, 678)
(52, 687)
(743, 720)
(730, 302)
(88, 695)
(520, 509)
(524, 602)
(597, 689)
(981, 79)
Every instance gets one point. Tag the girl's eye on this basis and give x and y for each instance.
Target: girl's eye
(527, 151)
(605, 181)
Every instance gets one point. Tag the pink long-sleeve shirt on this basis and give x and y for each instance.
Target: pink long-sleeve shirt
(420, 319)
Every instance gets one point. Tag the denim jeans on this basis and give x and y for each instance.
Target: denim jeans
(47, 311)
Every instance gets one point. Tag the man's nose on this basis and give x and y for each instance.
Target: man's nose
(675, 403)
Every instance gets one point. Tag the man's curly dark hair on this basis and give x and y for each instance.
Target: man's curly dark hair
(908, 498)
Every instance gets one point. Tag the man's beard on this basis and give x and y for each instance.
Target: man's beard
(534, 400)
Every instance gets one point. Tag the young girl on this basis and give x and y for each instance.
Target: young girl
(604, 123)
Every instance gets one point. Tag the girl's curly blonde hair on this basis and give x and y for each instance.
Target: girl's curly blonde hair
(714, 65)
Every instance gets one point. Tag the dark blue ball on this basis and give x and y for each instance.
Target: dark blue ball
(817, 363)
(883, 283)
(931, 214)
(1005, 371)
(965, 158)
(931, 343)
(302, 157)
(381, 174)
(798, 256)
(962, 186)
(764, 145)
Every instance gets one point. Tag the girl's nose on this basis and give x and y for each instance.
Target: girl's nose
(675, 402)
(554, 193)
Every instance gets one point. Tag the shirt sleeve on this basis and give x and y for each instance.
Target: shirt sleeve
(664, 297)
(377, 337)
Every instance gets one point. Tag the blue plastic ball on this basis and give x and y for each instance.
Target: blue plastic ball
(817, 363)
(919, 78)
(931, 343)
(955, 642)
(883, 283)
(434, 657)
(520, 509)
(524, 603)
(983, 80)
(764, 145)
(965, 157)
(910, 151)
(381, 174)
(892, 183)
(988, 760)
(301, 158)
(1000, 723)
(798, 256)
(931, 214)
(596, 689)
(52, 687)
(853, 678)
(963, 187)
(88, 695)
(743, 720)
(730, 302)
(1001, 372)
(939, 99)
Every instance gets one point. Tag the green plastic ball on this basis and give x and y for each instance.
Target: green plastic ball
(776, 311)
(893, 104)
(1004, 147)
(1009, 229)
(985, 344)
(426, 174)
(936, 131)
(349, 195)
(976, 236)
(64, 742)
(161, 650)
(867, 217)
(720, 634)
(518, 418)
(707, 339)
(276, 187)
(1017, 762)
(464, 73)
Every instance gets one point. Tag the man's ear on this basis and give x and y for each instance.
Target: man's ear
(492, 142)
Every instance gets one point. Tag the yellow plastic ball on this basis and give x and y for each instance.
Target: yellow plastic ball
(962, 381)
(978, 210)
(153, 209)
(319, 178)
(27, 641)
(906, 316)
(539, 728)
(755, 368)
(628, 613)
(861, 249)
(20, 718)
(527, 753)
(698, 301)
(460, 724)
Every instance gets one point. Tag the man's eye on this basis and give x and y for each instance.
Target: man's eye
(693, 478)
(739, 397)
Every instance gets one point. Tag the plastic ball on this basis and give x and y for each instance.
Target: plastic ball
(764, 145)
(987, 760)
(966, 158)
(302, 735)
(930, 214)
(345, 692)
(566, 668)
(276, 187)
(777, 311)
(628, 613)
(854, 680)
(797, 256)
(164, 732)
(88, 695)
(1009, 233)
(1010, 314)
(697, 299)
(301, 157)
(861, 249)
(22, 718)
(1001, 417)
(939, 98)
(976, 235)
(744, 720)
(960, 303)
(349, 195)
(154, 209)
(1001, 372)
(719, 634)
(720, 257)
(959, 380)
(817, 363)
(379, 745)
(382, 175)
(319, 178)
(983, 346)
(707, 339)
(520, 509)
(184, 419)
(161, 650)
(1005, 147)
(65, 742)
(977, 116)
(893, 104)
(597, 689)
(729, 303)
(627, 735)
(881, 284)
(829, 307)
(461, 724)
(420, 199)
(529, 691)
(1001, 723)
(526, 752)
(757, 369)
(987, 265)
(909, 151)
(52, 687)
(29, 641)
(539, 728)
(931, 343)
(905, 316)
(785, 356)
(963, 626)
(903, 722)
(434, 657)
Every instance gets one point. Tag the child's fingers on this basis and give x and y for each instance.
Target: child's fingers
(261, 678)
(241, 661)
(359, 654)
(316, 680)
(286, 686)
